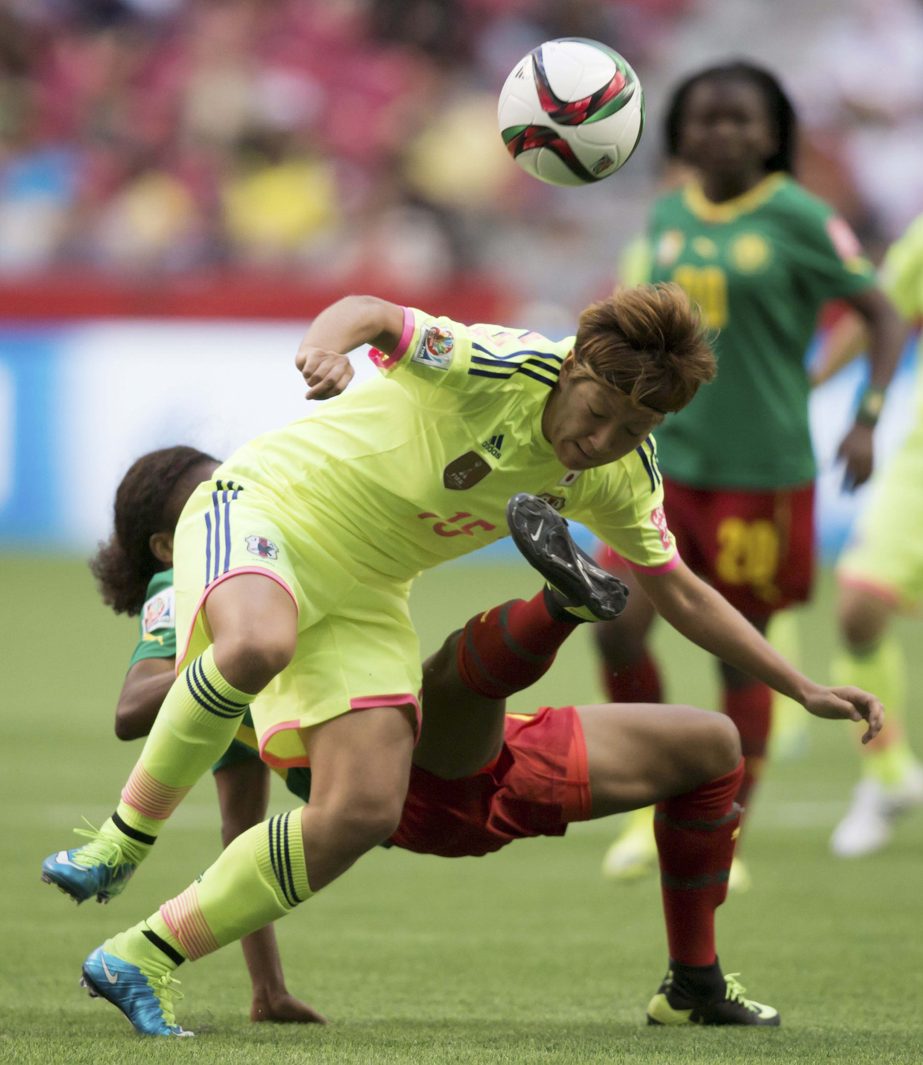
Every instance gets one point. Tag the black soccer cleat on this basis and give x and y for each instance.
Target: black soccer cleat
(582, 589)
(671, 1006)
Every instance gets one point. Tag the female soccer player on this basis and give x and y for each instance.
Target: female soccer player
(881, 575)
(482, 778)
(760, 256)
(293, 570)
(134, 570)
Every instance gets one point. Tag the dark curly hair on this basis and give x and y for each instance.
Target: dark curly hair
(148, 500)
(778, 104)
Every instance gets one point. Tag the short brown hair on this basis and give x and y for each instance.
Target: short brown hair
(647, 341)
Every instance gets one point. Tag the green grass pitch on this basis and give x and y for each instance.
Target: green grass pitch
(525, 956)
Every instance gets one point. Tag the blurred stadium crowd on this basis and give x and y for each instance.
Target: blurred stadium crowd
(319, 137)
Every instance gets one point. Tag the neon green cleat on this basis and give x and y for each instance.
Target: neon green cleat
(670, 1006)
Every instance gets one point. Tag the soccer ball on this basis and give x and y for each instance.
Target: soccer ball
(571, 112)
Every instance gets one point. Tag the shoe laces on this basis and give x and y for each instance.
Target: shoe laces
(101, 850)
(736, 992)
(166, 990)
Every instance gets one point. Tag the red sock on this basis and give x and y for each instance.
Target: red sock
(750, 708)
(696, 833)
(510, 647)
(635, 683)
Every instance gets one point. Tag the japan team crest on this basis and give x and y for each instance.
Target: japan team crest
(262, 547)
(435, 348)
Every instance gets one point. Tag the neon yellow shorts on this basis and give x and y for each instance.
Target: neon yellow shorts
(886, 554)
(356, 646)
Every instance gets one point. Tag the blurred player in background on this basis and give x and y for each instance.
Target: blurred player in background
(134, 570)
(760, 256)
(881, 574)
(293, 570)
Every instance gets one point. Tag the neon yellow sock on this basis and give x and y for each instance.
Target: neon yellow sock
(882, 670)
(259, 877)
(197, 721)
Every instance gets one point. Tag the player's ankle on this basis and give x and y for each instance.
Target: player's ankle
(696, 983)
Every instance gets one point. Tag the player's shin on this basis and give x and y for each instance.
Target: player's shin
(259, 877)
(750, 708)
(197, 721)
(696, 835)
(509, 647)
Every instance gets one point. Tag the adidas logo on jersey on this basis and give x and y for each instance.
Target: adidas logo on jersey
(493, 445)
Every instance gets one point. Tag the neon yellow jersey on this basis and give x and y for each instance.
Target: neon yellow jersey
(902, 279)
(416, 467)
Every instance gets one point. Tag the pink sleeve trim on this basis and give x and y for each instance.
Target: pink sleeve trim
(181, 658)
(386, 362)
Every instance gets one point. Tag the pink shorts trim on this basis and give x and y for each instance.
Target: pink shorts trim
(385, 362)
(610, 557)
(368, 702)
(214, 584)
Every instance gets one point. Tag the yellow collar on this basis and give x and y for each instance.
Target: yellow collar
(703, 208)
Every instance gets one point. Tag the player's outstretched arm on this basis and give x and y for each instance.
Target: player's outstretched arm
(704, 616)
(144, 689)
(323, 355)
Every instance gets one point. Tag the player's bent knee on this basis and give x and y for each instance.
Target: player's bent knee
(366, 824)
(250, 659)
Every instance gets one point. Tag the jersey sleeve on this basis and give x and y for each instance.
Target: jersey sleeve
(830, 259)
(625, 511)
(157, 637)
(902, 272)
(439, 353)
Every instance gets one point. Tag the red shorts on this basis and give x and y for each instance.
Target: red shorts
(756, 548)
(536, 786)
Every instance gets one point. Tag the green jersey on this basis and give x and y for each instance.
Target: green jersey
(157, 636)
(760, 268)
(902, 279)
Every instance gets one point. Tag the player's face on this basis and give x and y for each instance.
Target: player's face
(589, 424)
(726, 128)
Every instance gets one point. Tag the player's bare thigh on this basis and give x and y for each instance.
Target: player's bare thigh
(641, 753)
(462, 731)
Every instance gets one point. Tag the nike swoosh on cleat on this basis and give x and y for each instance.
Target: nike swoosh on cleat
(538, 532)
(112, 979)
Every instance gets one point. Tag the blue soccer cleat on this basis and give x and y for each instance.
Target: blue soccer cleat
(98, 868)
(145, 996)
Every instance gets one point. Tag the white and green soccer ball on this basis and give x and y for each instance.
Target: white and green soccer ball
(571, 112)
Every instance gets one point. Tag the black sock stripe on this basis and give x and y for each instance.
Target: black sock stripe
(288, 862)
(163, 946)
(275, 856)
(699, 825)
(205, 706)
(210, 692)
(132, 833)
(694, 883)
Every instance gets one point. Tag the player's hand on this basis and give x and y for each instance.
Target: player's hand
(852, 704)
(857, 452)
(284, 1009)
(327, 373)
